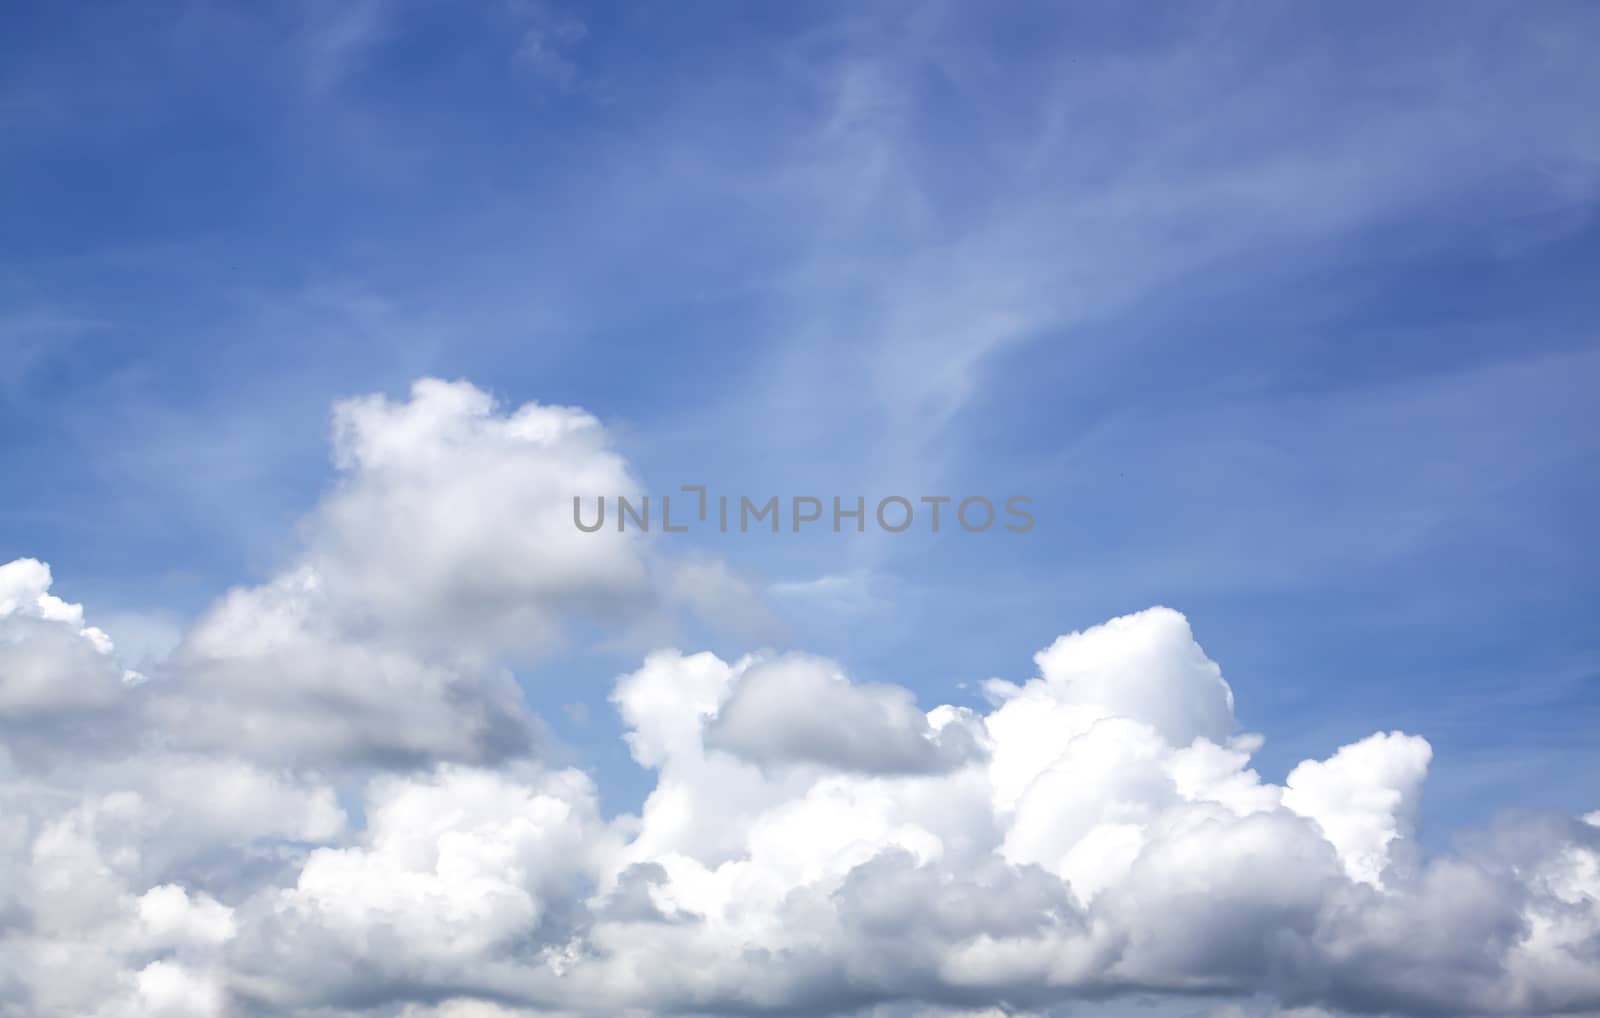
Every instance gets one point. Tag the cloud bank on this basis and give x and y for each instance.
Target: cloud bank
(331, 800)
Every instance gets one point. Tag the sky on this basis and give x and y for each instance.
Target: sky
(314, 318)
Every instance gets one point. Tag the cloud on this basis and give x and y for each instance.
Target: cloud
(1363, 799)
(549, 37)
(444, 555)
(926, 261)
(330, 800)
(797, 709)
(457, 869)
(50, 661)
(96, 928)
(452, 513)
(269, 674)
(709, 588)
(62, 685)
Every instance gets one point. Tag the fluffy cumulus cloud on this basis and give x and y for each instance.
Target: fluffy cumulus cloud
(445, 554)
(796, 710)
(50, 662)
(329, 801)
(446, 549)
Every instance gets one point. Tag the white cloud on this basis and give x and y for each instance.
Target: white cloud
(1364, 799)
(92, 944)
(50, 661)
(271, 674)
(455, 870)
(445, 554)
(452, 524)
(798, 709)
(811, 845)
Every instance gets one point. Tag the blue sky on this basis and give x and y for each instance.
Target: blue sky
(1287, 321)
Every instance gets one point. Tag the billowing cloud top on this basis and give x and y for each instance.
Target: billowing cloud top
(330, 801)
